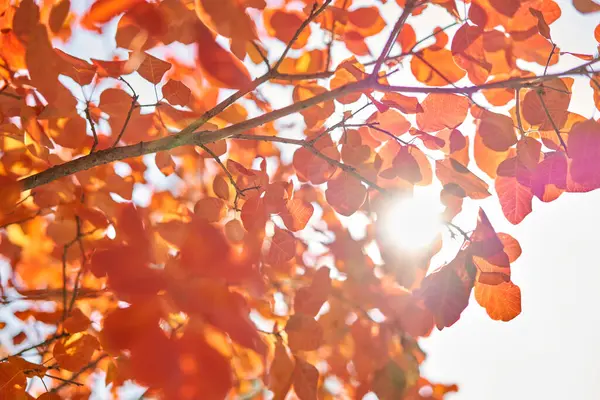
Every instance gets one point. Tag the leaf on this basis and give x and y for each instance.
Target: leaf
(366, 21)
(74, 352)
(12, 381)
(407, 38)
(502, 302)
(212, 209)
(406, 104)
(281, 372)
(345, 194)
(306, 378)
(511, 246)
(435, 67)
(103, 11)
(442, 111)
(496, 131)
(446, 291)
(220, 67)
(584, 150)
(304, 333)
(58, 15)
(515, 198)
(586, 6)
(310, 299)
(282, 248)
(543, 27)
(556, 96)
(451, 171)
(297, 214)
(406, 166)
(176, 93)
(283, 25)
(76, 322)
(153, 69)
(26, 17)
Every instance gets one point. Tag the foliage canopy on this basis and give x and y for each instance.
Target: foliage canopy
(275, 121)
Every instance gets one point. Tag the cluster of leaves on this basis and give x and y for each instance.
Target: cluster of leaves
(243, 277)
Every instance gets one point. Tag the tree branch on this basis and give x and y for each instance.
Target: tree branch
(188, 136)
(410, 4)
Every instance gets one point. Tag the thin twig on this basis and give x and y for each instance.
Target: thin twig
(90, 365)
(134, 99)
(92, 126)
(46, 342)
(549, 58)
(224, 168)
(410, 4)
(313, 14)
(518, 110)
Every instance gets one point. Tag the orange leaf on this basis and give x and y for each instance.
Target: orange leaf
(176, 93)
(103, 11)
(407, 38)
(515, 198)
(451, 171)
(366, 20)
(408, 105)
(556, 95)
(153, 69)
(502, 302)
(297, 214)
(280, 373)
(12, 381)
(283, 247)
(234, 231)
(304, 333)
(220, 67)
(442, 111)
(221, 187)
(74, 352)
(58, 15)
(496, 131)
(511, 246)
(283, 24)
(435, 67)
(10, 193)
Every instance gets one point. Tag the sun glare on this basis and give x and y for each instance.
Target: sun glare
(412, 223)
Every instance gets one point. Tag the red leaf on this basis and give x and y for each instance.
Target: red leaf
(177, 93)
(220, 67)
(309, 300)
(304, 333)
(345, 194)
(281, 371)
(297, 214)
(306, 378)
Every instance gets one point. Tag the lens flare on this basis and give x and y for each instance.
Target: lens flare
(411, 223)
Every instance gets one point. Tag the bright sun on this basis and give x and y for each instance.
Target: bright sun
(411, 223)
